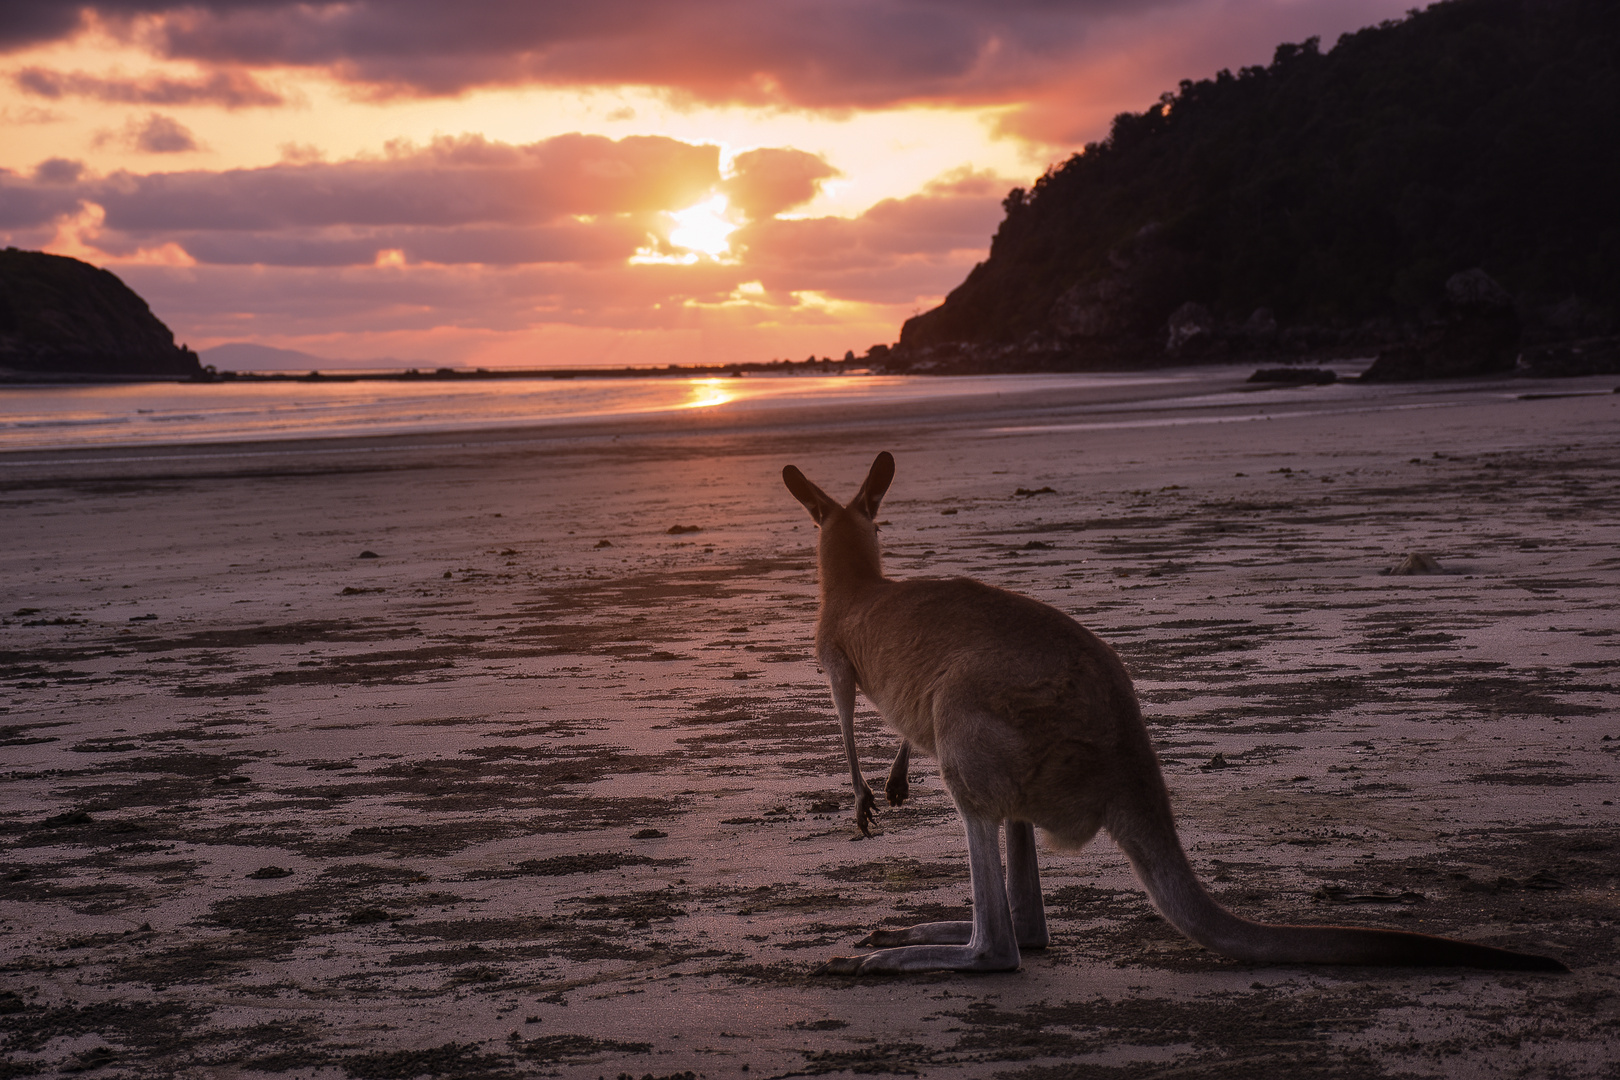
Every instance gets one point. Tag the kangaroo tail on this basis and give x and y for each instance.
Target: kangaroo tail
(1147, 835)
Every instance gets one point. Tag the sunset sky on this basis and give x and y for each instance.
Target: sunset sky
(505, 183)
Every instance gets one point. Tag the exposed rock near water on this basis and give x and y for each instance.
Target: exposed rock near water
(1590, 356)
(1480, 336)
(60, 316)
(1295, 376)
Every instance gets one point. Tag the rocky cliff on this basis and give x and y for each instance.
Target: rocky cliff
(1321, 205)
(60, 316)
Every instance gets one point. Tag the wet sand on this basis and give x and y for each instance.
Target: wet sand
(545, 789)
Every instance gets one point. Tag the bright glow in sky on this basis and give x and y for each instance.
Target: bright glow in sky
(497, 182)
(703, 228)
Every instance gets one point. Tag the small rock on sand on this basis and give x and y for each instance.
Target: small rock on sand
(71, 817)
(1418, 563)
(1292, 376)
(678, 530)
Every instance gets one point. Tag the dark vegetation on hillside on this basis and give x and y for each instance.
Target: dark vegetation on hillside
(65, 317)
(1319, 205)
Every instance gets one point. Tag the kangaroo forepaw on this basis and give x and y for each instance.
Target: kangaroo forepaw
(897, 790)
(865, 811)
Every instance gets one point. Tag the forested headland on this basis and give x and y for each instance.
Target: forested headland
(1319, 205)
(61, 317)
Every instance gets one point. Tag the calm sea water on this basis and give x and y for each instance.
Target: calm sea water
(67, 417)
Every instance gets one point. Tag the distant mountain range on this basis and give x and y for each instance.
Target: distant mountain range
(1318, 205)
(248, 356)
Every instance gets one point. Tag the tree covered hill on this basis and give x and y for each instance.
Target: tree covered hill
(1320, 203)
(63, 317)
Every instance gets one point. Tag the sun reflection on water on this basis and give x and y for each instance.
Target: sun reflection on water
(706, 393)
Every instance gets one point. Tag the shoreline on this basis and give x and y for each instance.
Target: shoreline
(1172, 398)
(706, 405)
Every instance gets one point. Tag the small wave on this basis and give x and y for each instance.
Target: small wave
(68, 423)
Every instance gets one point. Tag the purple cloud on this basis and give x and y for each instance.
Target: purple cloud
(451, 182)
(58, 171)
(571, 199)
(231, 89)
(31, 205)
(161, 135)
(32, 22)
(818, 53)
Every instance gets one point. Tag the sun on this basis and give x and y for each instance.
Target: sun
(703, 228)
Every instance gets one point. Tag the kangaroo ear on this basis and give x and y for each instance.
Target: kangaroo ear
(877, 482)
(814, 499)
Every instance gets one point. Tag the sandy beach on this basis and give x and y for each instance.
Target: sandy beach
(445, 755)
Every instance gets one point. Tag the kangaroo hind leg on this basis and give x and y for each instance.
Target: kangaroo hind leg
(1023, 900)
(1024, 887)
(990, 943)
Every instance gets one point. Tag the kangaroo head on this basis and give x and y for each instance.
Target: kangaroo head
(848, 533)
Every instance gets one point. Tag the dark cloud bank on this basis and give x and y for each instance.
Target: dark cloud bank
(817, 54)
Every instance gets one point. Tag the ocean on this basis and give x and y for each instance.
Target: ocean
(65, 417)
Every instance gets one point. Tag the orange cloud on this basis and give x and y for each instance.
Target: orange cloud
(770, 181)
(826, 284)
(899, 251)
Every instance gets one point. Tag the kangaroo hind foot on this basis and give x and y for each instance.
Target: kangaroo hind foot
(1023, 898)
(1007, 915)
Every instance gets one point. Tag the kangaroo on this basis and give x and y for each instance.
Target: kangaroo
(1034, 723)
